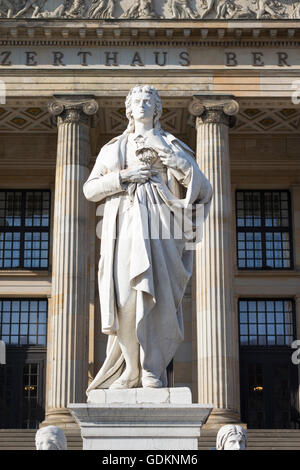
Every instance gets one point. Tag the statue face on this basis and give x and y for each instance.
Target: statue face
(46, 444)
(143, 106)
(235, 442)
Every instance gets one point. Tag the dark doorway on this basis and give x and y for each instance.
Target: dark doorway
(268, 389)
(22, 382)
(23, 327)
(269, 379)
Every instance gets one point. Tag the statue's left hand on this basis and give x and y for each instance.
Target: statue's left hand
(173, 160)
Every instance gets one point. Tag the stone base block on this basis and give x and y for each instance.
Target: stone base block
(140, 419)
(221, 417)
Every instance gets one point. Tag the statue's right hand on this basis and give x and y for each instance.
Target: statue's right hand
(139, 174)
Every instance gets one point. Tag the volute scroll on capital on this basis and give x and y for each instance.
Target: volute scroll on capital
(216, 111)
(73, 111)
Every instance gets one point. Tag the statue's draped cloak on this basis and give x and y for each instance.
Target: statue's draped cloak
(160, 268)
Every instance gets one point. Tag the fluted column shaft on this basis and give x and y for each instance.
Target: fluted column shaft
(67, 354)
(217, 325)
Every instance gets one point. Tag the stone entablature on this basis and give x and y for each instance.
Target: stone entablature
(151, 9)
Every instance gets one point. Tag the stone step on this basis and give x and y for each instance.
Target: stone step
(271, 439)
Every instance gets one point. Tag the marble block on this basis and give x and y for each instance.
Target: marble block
(140, 419)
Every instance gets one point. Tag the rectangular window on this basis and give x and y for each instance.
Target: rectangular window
(23, 322)
(266, 322)
(264, 236)
(24, 229)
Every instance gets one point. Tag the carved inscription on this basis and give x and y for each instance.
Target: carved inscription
(151, 58)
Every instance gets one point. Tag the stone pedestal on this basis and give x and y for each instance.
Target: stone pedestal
(140, 419)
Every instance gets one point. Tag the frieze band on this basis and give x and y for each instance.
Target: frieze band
(151, 9)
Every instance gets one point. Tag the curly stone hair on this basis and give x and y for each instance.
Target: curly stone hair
(54, 434)
(158, 106)
(229, 430)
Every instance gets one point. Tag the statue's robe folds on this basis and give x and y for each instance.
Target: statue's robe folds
(160, 268)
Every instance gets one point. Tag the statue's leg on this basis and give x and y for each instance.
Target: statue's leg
(126, 303)
(21, 12)
(129, 344)
(149, 379)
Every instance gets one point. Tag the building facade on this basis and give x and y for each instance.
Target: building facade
(228, 73)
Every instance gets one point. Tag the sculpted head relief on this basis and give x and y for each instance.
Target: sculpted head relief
(50, 438)
(231, 437)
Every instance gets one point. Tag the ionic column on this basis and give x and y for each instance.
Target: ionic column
(67, 353)
(217, 323)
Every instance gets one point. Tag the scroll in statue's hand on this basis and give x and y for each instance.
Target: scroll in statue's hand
(137, 174)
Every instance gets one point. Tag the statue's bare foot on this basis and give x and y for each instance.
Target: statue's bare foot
(149, 380)
(125, 383)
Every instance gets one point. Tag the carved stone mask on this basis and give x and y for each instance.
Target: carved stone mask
(235, 442)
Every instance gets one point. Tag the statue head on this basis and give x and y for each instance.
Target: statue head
(152, 105)
(50, 438)
(231, 437)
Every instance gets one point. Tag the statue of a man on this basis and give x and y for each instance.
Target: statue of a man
(143, 275)
(141, 9)
(181, 9)
(36, 5)
(102, 9)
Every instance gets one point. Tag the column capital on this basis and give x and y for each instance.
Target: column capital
(73, 109)
(216, 109)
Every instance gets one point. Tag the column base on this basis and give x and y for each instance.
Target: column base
(221, 416)
(60, 417)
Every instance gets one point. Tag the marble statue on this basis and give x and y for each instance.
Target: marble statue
(35, 5)
(142, 276)
(296, 10)
(226, 9)
(141, 9)
(231, 437)
(181, 9)
(60, 11)
(50, 438)
(102, 9)
(6, 8)
(67, 9)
